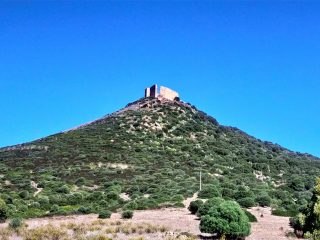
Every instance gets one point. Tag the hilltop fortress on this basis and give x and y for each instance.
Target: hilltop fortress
(164, 93)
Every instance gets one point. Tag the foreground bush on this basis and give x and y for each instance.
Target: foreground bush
(127, 214)
(194, 206)
(227, 220)
(251, 217)
(105, 214)
(203, 210)
(307, 223)
(15, 223)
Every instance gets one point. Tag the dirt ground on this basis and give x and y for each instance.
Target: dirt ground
(179, 220)
(269, 226)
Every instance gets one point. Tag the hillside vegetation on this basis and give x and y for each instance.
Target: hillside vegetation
(149, 155)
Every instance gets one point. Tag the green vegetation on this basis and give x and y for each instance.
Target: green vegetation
(88, 169)
(127, 214)
(226, 219)
(251, 217)
(307, 222)
(3, 211)
(15, 223)
(105, 214)
(195, 206)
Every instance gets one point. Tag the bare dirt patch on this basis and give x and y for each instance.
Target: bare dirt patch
(269, 226)
(174, 220)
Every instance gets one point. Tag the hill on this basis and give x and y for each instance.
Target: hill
(149, 155)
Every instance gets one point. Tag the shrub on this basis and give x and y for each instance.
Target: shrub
(24, 194)
(15, 223)
(44, 201)
(130, 205)
(194, 206)
(80, 181)
(246, 202)
(209, 191)
(227, 220)
(263, 200)
(84, 210)
(54, 208)
(3, 211)
(112, 195)
(127, 214)
(251, 217)
(284, 213)
(105, 214)
(63, 189)
(203, 210)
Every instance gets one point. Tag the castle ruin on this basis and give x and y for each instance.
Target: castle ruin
(163, 93)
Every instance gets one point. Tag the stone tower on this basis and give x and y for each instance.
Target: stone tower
(164, 93)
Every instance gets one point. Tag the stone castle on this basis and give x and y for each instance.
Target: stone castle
(164, 93)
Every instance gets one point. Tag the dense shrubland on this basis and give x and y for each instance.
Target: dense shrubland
(154, 154)
(307, 222)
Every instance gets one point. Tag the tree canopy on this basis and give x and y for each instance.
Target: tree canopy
(226, 219)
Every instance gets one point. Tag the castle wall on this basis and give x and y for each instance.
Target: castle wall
(154, 91)
(168, 93)
(147, 92)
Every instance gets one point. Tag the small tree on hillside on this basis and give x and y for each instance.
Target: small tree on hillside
(227, 220)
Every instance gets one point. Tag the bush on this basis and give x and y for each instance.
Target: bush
(263, 201)
(24, 194)
(127, 214)
(54, 208)
(203, 210)
(246, 202)
(80, 181)
(63, 189)
(130, 205)
(85, 210)
(194, 206)
(209, 191)
(74, 198)
(227, 220)
(251, 217)
(105, 214)
(15, 223)
(112, 195)
(284, 213)
(3, 211)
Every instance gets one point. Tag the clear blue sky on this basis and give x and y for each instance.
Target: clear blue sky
(252, 65)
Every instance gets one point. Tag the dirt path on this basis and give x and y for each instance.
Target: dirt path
(187, 202)
(35, 185)
(269, 226)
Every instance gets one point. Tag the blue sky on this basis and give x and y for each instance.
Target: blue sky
(253, 65)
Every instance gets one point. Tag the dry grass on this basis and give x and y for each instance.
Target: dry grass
(96, 230)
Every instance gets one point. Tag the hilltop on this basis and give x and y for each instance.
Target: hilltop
(149, 155)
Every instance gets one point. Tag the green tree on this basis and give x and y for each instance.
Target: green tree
(263, 200)
(210, 191)
(227, 220)
(307, 223)
(3, 211)
(195, 205)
